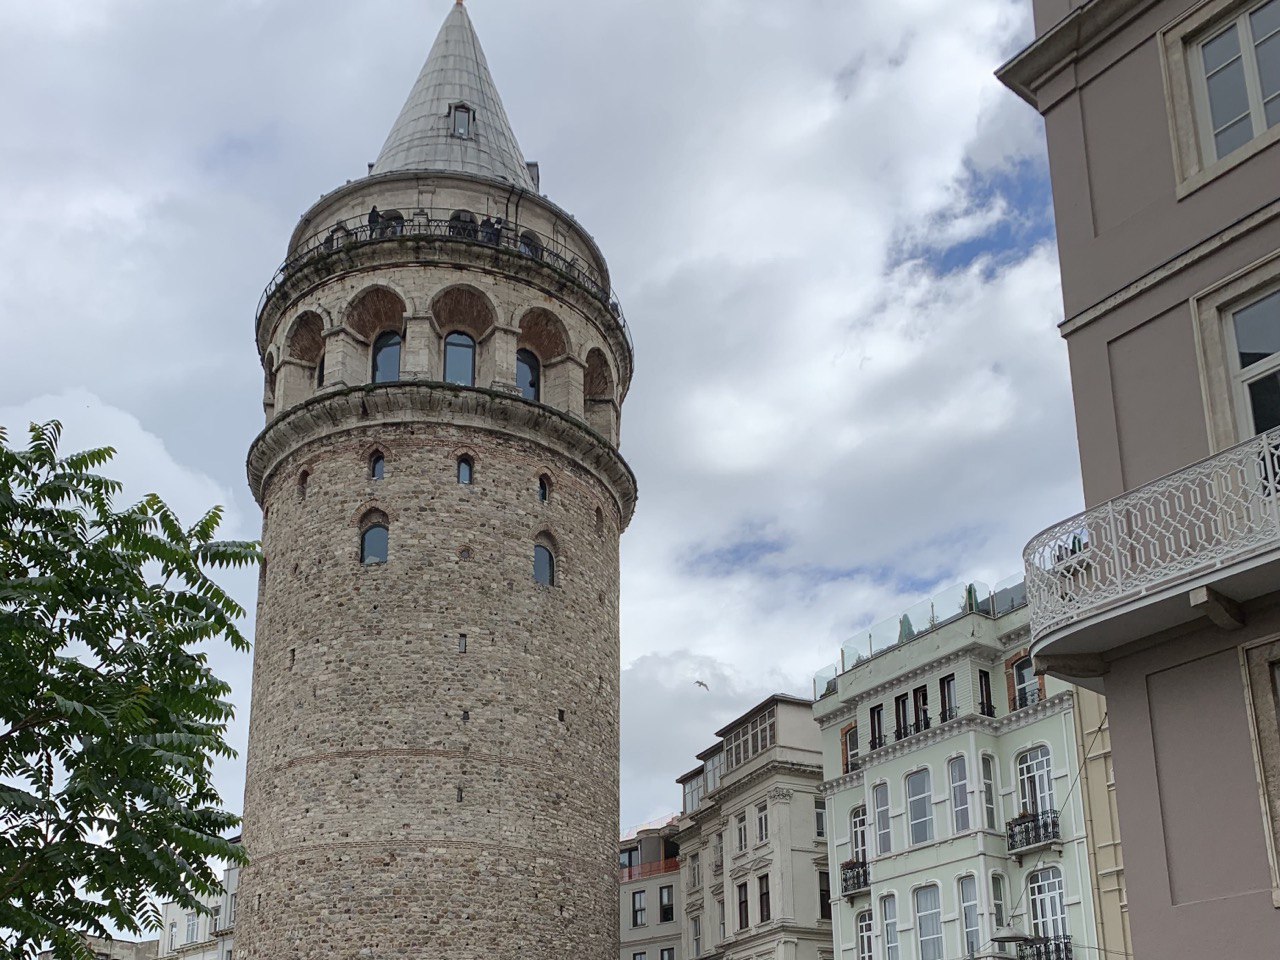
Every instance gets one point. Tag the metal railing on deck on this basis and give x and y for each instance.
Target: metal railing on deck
(1033, 830)
(642, 870)
(855, 876)
(1046, 948)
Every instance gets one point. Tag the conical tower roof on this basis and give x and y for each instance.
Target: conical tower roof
(424, 138)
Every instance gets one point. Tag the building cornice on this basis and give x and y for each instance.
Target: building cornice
(1083, 29)
(711, 812)
(355, 408)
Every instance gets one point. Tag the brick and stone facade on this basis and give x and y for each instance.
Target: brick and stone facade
(433, 760)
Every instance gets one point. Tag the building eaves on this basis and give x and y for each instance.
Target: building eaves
(775, 699)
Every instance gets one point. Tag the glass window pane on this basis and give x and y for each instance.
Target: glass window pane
(1228, 95)
(543, 565)
(460, 360)
(386, 358)
(1258, 330)
(464, 471)
(377, 467)
(373, 545)
(1264, 399)
(1221, 49)
(528, 375)
(1265, 20)
(1269, 66)
(1273, 112)
(1234, 137)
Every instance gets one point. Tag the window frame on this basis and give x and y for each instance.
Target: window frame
(762, 892)
(468, 466)
(695, 933)
(1242, 24)
(858, 833)
(539, 550)
(457, 111)
(470, 346)
(990, 794)
(523, 356)
(824, 894)
(1179, 44)
(884, 829)
(865, 929)
(1242, 377)
(1035, 778)
(695, 870)
(936, 939)
(1043, 924)
(741, 824)
(762, 822)
(381, 344)
(638, 908)
(970, 928)
(959, 792)
(999, 905)
(666, 903)
(927, 798)
(889, 926)
(366, 560)
(744, 906)
(820, 818)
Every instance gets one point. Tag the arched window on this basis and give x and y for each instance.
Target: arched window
(386, 358)
(989, 790)
(919, 807)
(864, 935)
(465, 470)
(880, 803)
(858, 833)
(958, 769)
(377, 466)
(544, 565)
(1048, 906)
(374, 544)
(530, 245)
(528, 375)
(544, 489)
(889, 917)
(460, 360)
(929, 923)
(969, 914)
(463, 224)
(1026, 686)
(1035, 780)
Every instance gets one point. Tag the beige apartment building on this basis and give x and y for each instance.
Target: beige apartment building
(103, 949)
(649, 895)
(1163, 118)
(752, 840)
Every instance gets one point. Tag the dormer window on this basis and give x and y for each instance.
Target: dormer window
(463, 116)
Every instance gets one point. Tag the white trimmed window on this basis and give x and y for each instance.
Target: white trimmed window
(762, 822)
(1236, 72)
(695, 870)
(989, 791)
(1048, 904)
(969, 914)
(864, 935)
(958, 769)
(997, 906)
(1035, 780)
(750, 739)
(858, 833)
(919, 807)
(929, 922)
(889, 921)
(884, 834)
(695, 931)
(819, 817)
(1254, 335)
(742, 832)
(1026, 685)
(851, 748)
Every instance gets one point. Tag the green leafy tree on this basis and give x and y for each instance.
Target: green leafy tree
(110, 718)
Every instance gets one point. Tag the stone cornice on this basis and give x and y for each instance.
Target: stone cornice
(334, 412)
(711, 813)
(1062, 44)
(1058, 703)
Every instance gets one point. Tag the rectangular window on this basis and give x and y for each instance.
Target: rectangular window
(173, 936)
(762, 883)
(637, 908)
(997, 906)
(824, 894)
(695, 870)
(969, 914)
(929, 923)
(717, 851)
(920, 708)
(1256, 348)
(986, 706)
(231, 910)
(877, 726)
(666, 904)
(638, 956)
(695, 934)
(720, 917)
(989, 791)
(193, 924)
(858, 833)
(744, 907)
(851, 749)
(762, 822)
(628, 858)
(947, 698)
(920, 807)
(742, 832)
(1048, 903)
(667, 953)
(864, 935)
(889, 918)
(902, 716)
(750, 739)
(819, 817)
(1237, 74)
(215, 918)
(958, 768)
(880, 803)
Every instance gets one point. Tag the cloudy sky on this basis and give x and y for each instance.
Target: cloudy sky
(829, 224)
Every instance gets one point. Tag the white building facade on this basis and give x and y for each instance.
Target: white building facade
(650, 899)
(952, 785)
(191, 935)
(752, 847)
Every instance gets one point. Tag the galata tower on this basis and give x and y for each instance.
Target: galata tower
(433, 747)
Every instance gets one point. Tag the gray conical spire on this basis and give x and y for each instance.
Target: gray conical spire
(424, 136)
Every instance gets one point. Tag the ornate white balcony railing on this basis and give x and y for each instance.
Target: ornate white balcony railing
(1218, 512)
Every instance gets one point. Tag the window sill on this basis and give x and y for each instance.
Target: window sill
(1228, 163)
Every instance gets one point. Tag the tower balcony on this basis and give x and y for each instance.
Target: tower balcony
(1198, 542)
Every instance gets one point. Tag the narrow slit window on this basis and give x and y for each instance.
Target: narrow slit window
(374, 545)
(462, 643)
(465, 470)
(462, 118)
(377, 467)
(544, 565)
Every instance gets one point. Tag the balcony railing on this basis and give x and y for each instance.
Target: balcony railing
(947, 713)
(1046, 948)
(855, 876)
(879, 740)
(1215, 513)
(642, 870)
(987, 709)
(440, 225)
(1026, 698)
(1033, 830)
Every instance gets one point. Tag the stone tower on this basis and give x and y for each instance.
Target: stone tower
(433, 758)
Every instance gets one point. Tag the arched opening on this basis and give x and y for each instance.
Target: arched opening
(375, 538)
(529, 375)
(531, 245)
(466, 470)
(544, 565)
(460, 359)
(386, 358)
(463, 224)
(306, 339)
(544, 488)
(600, 395)
(377, 466)
(391, 223)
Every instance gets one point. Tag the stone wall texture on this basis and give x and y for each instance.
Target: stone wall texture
(410, 795)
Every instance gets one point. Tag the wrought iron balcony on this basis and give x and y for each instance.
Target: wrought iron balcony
(1033, 830)
(948, 713)
(1216, 519)
(901, 733)
(879, 740)
(432, 225)
(1026, 698)
(1046, 948)
(855, 877)
(987, 709)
